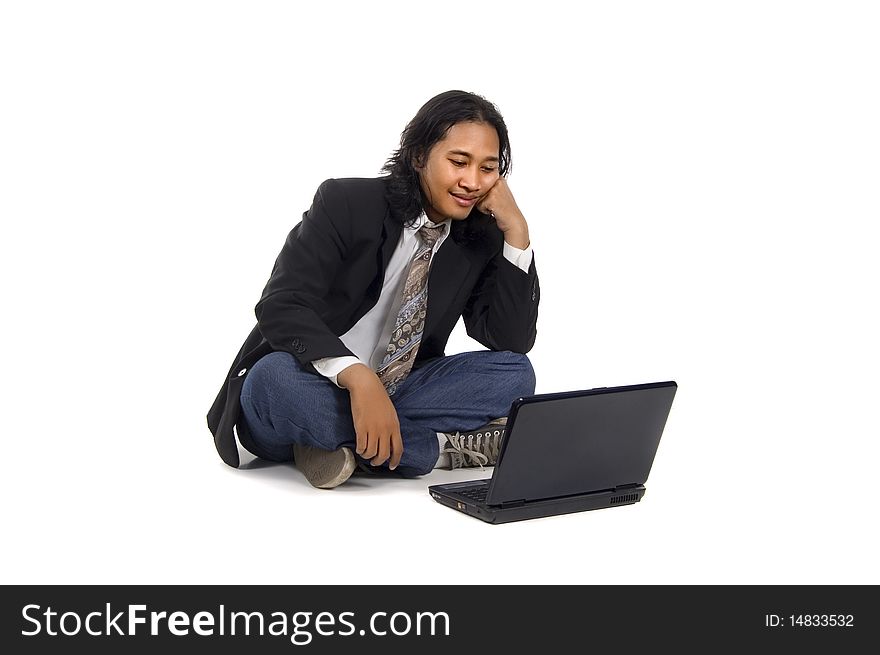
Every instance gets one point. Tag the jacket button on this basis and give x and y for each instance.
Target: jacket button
(242, 372)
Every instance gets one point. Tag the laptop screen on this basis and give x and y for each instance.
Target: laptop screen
(580, 442)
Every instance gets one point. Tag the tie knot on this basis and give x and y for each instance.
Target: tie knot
(430, 234)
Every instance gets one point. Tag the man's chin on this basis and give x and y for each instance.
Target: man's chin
(461, 214)
(456, 213)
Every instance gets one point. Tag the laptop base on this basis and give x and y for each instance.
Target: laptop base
(449, 495)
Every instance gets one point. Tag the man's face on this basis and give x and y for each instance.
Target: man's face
(459, 170)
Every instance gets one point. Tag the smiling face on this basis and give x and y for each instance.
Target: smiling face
(459, 170)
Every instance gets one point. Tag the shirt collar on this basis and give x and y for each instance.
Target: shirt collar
(424, 220)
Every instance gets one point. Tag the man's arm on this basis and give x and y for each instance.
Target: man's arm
(289, 311)
(375, 418)
(502, 312)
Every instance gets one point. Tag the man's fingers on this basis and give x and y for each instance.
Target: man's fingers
(396, 450)
(372, 446)
(361, 442)
(383, 452)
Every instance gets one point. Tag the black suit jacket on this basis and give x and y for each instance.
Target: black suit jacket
(330, 273)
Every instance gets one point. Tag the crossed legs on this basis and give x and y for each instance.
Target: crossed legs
(285, 404)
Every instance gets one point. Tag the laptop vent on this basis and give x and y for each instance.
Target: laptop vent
(629, 498)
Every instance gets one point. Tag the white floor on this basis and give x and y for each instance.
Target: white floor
(165, 509)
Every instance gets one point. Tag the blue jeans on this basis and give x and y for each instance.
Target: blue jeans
(285, 404)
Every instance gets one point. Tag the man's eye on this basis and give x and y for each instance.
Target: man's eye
(489, 170)
(457, 162)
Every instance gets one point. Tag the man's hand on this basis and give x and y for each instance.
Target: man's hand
(499, 203)
(375, 418)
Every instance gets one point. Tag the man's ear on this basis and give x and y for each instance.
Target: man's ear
(418, 160)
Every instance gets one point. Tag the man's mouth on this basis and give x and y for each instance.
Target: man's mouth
(464, 201)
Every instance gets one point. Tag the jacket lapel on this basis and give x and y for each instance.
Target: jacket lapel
(449, 269)
(390, 236)
(391, 230)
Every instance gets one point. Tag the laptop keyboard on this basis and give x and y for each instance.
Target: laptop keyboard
(476, 494)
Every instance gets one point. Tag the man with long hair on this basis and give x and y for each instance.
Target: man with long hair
(346, 368)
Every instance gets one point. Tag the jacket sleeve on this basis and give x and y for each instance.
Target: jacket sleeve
(293, 301)
(502, 312)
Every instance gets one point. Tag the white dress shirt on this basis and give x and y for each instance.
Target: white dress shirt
(369, 337)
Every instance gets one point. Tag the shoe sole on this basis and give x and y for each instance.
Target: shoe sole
(325, 469)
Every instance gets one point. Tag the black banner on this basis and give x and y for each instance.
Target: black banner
(428, 619)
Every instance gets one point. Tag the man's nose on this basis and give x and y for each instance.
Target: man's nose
(469, 179)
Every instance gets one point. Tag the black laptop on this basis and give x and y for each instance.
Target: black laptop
(569, 452)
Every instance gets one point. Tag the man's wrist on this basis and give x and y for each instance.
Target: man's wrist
(355, 376)
(517, 238)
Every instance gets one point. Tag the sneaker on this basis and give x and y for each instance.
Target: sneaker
(478, 447)
(324, 469)
(365, 468)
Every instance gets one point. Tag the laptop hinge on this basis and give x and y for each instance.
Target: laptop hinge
(512, 503)
(626, 486)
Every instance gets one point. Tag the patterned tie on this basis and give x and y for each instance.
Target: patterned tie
(407, 334)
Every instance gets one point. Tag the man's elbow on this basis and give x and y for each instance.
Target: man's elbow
(516, 343)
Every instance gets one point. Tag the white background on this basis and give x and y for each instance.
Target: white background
(701, 184)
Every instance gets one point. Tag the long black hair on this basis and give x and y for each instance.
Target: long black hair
(428, 126)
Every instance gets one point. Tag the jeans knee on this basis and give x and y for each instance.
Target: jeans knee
(526, 373)
(271, 375)
(260, 375)
(518, 371)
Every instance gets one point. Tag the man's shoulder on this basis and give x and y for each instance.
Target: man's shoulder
(359, 187)
(358, 200)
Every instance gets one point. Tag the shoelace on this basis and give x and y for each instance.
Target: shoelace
(476, 449)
